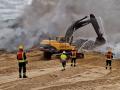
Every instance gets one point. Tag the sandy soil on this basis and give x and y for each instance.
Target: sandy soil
(89, 74)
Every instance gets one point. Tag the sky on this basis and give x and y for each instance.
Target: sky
(10, 9)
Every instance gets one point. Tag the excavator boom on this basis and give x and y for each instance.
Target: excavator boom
(83, 22)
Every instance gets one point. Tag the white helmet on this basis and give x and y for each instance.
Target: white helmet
(64, 52)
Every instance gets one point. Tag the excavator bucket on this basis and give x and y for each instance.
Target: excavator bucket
(100, 39)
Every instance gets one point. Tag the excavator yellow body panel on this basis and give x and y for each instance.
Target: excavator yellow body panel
(58, 45)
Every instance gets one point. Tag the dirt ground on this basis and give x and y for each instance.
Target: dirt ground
(89, 74)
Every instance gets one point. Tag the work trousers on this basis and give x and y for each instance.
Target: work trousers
(73, 60)
(108, 62)
(22, 67)
(64, 63)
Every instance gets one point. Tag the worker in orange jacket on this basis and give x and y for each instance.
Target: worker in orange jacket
(21, 57)
(109, 57)
(73, 57)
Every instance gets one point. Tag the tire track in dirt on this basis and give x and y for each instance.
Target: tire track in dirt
(109, 87)
(92, 73)
(31, 73)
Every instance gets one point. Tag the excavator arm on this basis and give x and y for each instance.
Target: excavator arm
(53, 47)
(81, 23)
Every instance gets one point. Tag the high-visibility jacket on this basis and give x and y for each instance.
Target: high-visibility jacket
(21, 56)
(74, 54)
(109, 55)
(63, 57)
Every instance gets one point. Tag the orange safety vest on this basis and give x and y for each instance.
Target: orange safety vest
(20, 56)
(74, 53)
(109, 55)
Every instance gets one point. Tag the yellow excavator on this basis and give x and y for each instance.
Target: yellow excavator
(60, 44)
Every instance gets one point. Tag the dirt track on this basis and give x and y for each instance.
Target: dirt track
(89, 74)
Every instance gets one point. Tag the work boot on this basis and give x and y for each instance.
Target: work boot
(110, 68)
(24, 75)
(74, 65)
(63, 69)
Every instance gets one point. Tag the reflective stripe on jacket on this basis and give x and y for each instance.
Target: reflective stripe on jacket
(20, 61)
(74, 53)
(23, 57)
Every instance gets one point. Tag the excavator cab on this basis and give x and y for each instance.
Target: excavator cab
(60, 39)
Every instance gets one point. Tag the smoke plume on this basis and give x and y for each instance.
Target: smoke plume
(55, 16)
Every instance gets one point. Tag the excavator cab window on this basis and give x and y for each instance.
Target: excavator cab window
(60, 39)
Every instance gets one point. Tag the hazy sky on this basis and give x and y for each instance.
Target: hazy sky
(10, 9)
(55, 16)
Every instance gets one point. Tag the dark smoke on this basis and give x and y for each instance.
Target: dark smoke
(55, 16)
